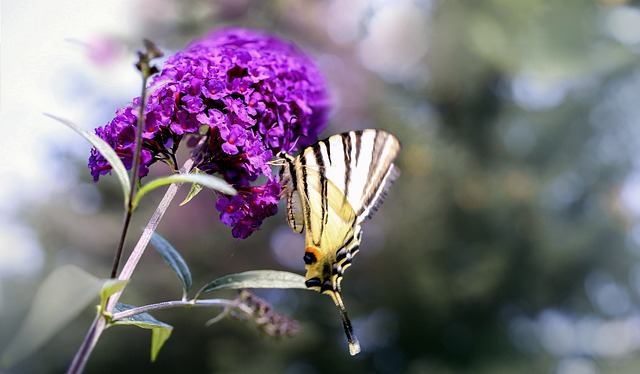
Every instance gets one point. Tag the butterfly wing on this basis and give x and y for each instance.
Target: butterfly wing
(289, 184)
(360, 164)
(295, 217)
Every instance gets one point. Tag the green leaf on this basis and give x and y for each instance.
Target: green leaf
(110, 287)
(174, 260)
(107, 152)
(195, 189)
(205, 180)
(160, 331)
(61, 297)
(255, 279)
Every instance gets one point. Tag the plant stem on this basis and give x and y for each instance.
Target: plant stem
(123, 236)
(100, 323)
(177, 304)
(146, 73)
(81, 357)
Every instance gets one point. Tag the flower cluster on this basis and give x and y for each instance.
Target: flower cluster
(250, 93)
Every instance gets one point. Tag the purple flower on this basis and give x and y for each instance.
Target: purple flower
(246, 211)
(255, 95)
(232, 210)
(235, 136)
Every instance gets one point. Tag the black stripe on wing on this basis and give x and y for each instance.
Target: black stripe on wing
(346, 149)
(358, 145)
(305, 190)
(319, 160)
(381, 175)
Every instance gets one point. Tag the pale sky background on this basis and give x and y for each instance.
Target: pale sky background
(43, 65)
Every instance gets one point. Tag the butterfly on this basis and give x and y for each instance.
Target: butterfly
(331, 187)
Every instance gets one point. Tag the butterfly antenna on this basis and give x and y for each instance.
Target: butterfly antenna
(288, 146)
(354, 344)
(293, 146)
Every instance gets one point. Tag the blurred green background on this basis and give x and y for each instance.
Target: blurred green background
(510, 243)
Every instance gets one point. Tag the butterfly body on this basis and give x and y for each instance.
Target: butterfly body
(331, 187)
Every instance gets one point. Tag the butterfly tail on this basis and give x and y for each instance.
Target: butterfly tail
(354, 344)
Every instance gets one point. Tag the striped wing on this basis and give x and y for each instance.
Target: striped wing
(330, 188)
(332, 234)
(360, 164)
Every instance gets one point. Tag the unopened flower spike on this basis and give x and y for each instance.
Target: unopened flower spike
(267, 320)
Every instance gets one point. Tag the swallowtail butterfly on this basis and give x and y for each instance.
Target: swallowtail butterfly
(332, 187)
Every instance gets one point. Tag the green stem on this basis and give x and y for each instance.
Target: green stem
(181, 303)
(123, 236)
(146, 73)
(82, 356)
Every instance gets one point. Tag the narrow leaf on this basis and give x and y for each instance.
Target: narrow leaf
(159, 336)
(174, 260)
(160, 331)
(255, 279)
(61, 297)
(195, 189)
(205, 180)
(107, 152)
(110, 287)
